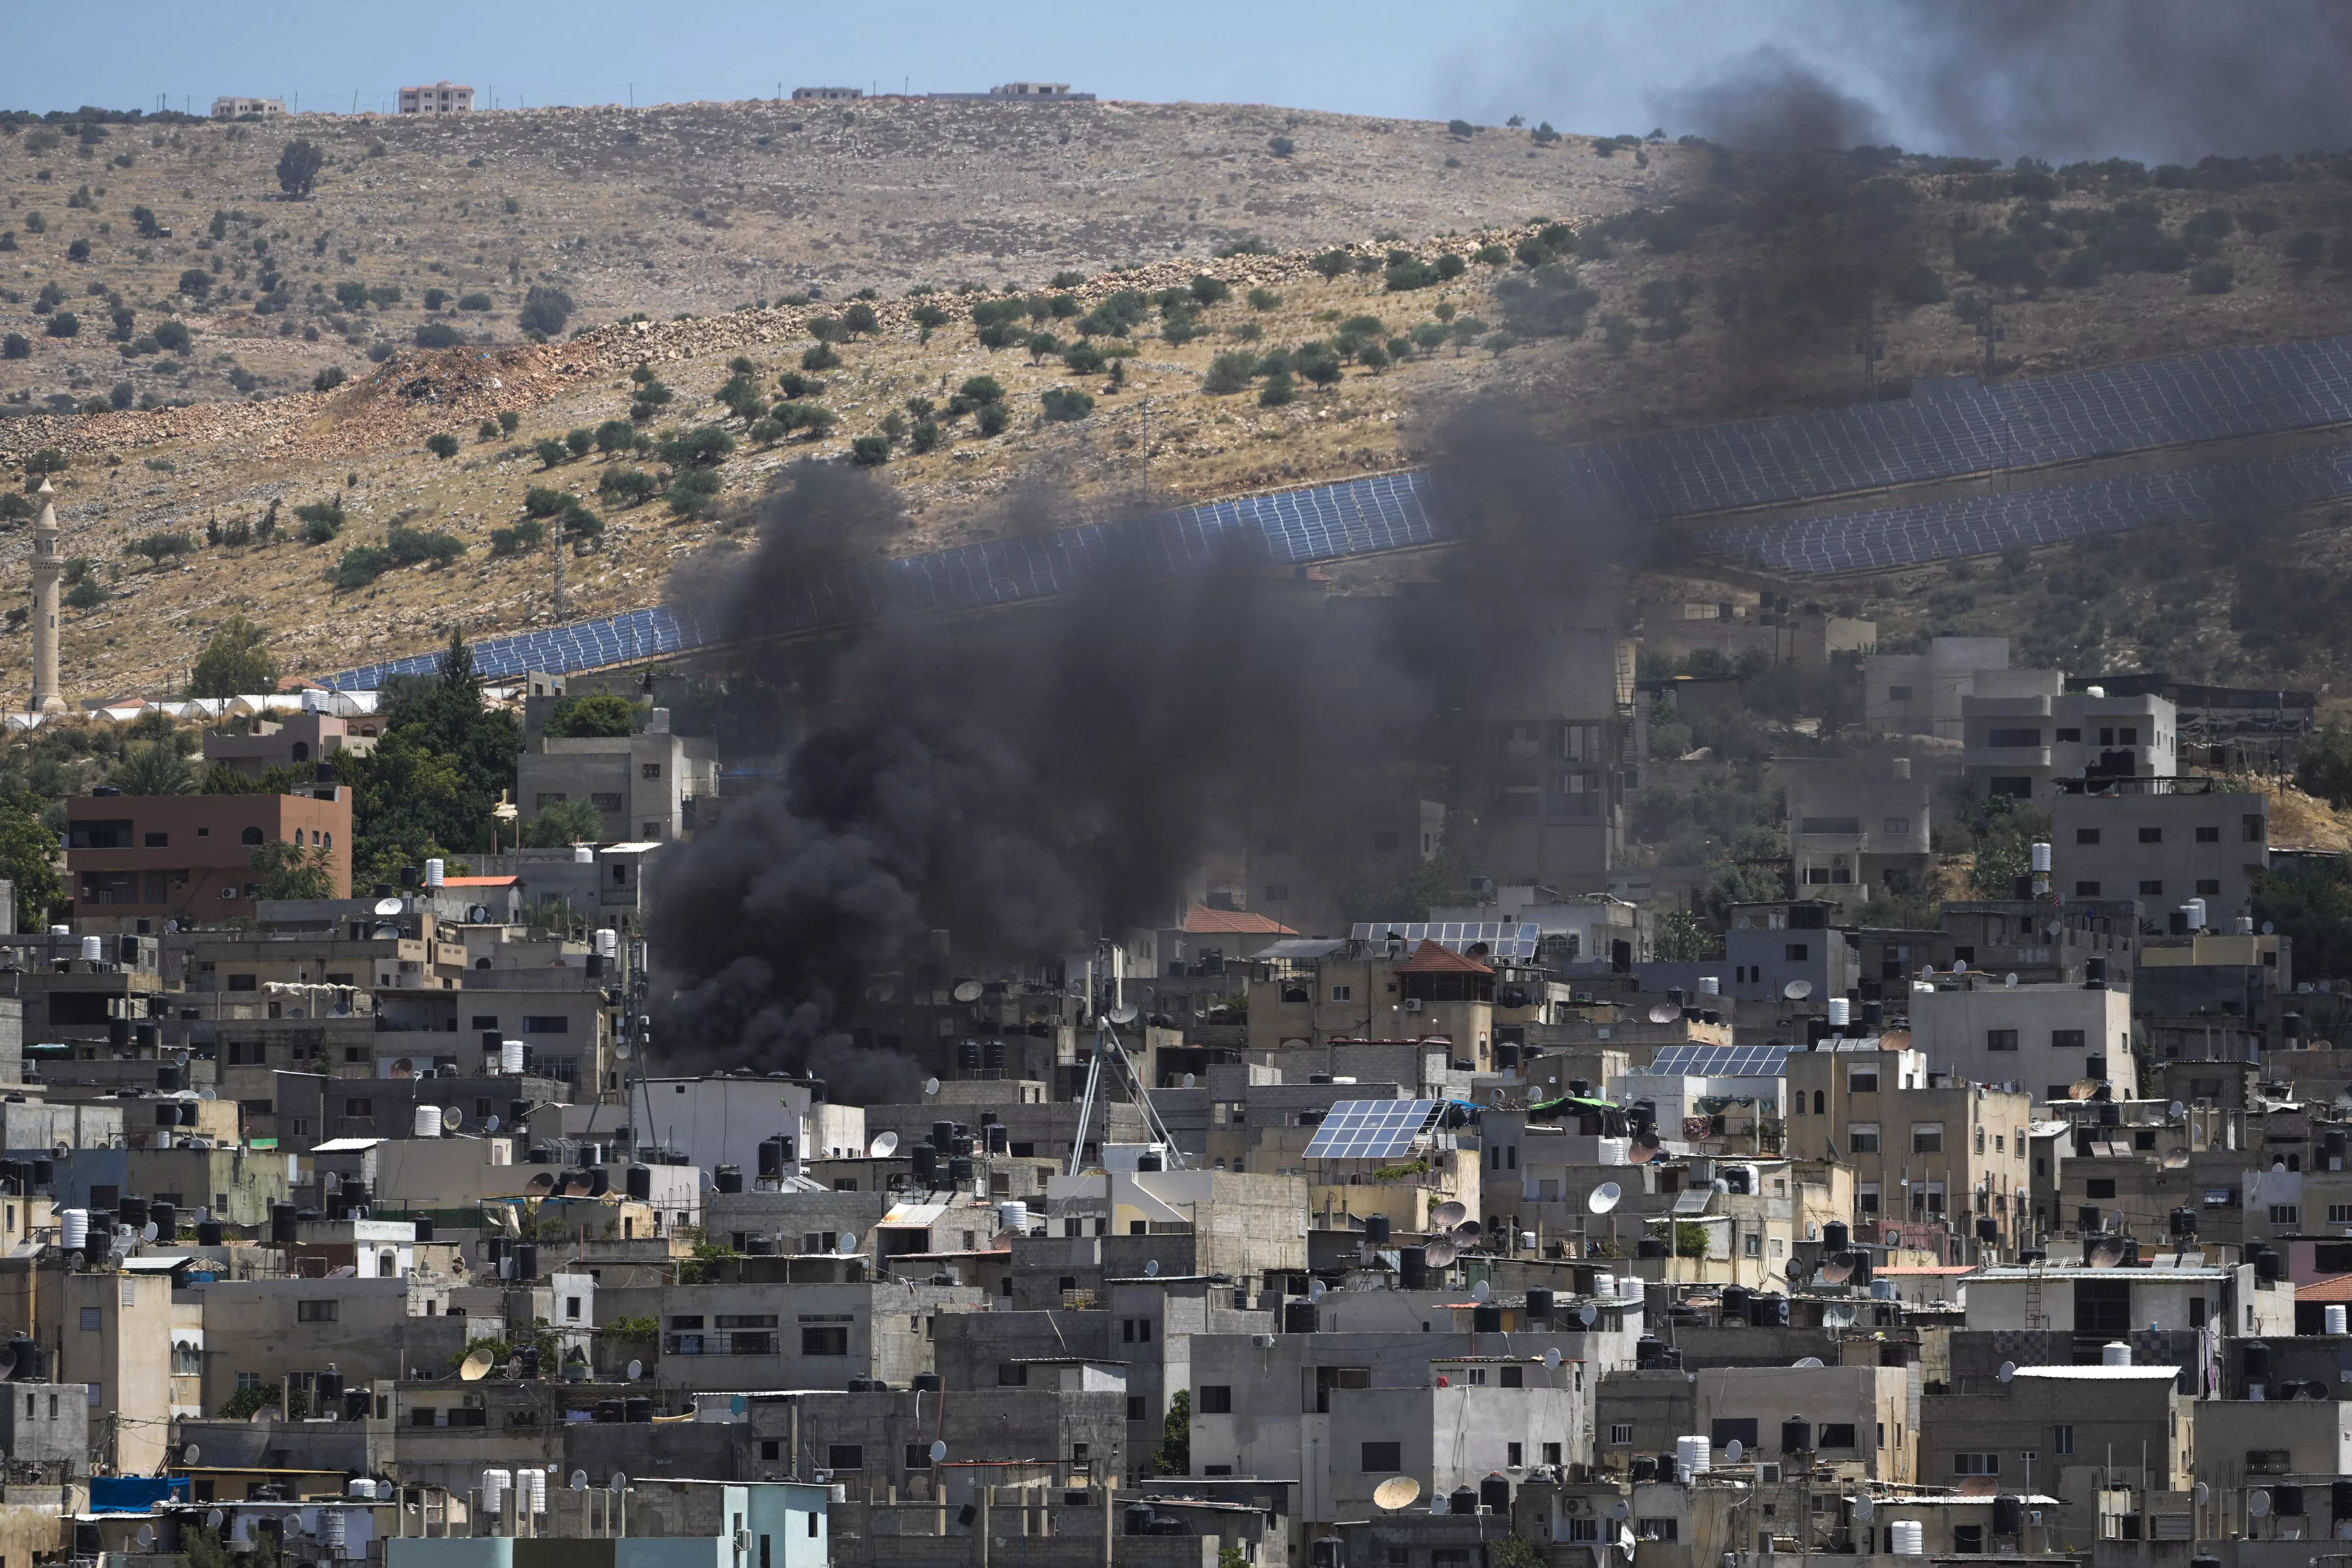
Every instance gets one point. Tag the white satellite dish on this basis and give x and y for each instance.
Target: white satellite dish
(1864, 1506)
(1604, 1198)
(1315, 1290)
(624, 1049)
(1551, 1358)
(1808, 1362)
(1125, 1012)
(1732, 1450)
(2201, 1492)
(452, 1118)
(1188, 1080)
(580, 1480)
(212, 1518)
(884, 1145)
(930, 1086)
(1796, 990)
(1481, 1291)
(847, 1245)
(2257, 1503)
(491, 1125)
(969, 991)
(1396, 1492)
(387, 906)
(2007, 1369)
(619, 1483)
(1618, 1509)
(146, 1537)
(1960, 966)
(2176, 1109)
(148, 1232)
(938, 1449)
(637, 1370)
(191, 1454)
(1664, 1012)
(2270, 927)
(1588, 1315)
(2009, 979)
(1151, 1272)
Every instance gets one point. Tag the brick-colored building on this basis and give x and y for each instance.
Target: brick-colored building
(153, 857)
(297, 741)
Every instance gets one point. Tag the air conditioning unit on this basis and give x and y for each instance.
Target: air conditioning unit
(1768, 1474)
(473, 1402)
(1413, 1004)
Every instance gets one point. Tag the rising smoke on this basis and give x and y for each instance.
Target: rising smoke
(1028, 779)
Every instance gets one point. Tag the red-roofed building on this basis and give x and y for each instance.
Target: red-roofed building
(1359, 991)
(1202, 921)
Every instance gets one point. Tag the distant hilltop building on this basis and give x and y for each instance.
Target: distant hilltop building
(822, 94)
(1023, 92)
(248, 109)
(441, 97)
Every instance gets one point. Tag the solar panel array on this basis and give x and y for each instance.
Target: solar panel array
(1370, 1129)
(1719, 1061)
(1972, 429)
(2051, 513)
(1504, 938)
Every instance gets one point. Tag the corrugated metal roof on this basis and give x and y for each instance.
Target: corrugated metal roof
(2104, 1374)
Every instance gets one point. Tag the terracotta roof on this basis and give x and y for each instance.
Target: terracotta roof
(1202, 921)
(479, 880)
(1436, 959)
(2335, 1288)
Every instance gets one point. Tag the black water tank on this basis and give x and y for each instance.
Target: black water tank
(1645, 1469)
(926, 1383)
(1796, 1435)
(21, 1352)
(1298, 1317)
(2339, 1501)
(527, 1364)
(45, 1173)
(167, 1078)
(2033, 1255)
(997, 1138)
(2086, 1217)
(1413, 1268)
(926, 1164)
(282, 1223)
(960, 1169)
(992, 1052)
(1539, 1305)
(211, 1233)
(1376, 1230)
(425, 1228)
(1485, 1318)
(639, 1411)
(1495, 1494)
(1148, 1161)
(87, 1542)
(641, 1183)
(167, 1217)
(728, 1179)
(118, 1033)
(1650, 1247)
(1139, 1519)
(187, 1113)
(772, 1159)
(1988, 1229)
(1646, 1351)
(133, 1210)
(2182, 1222)
(356, 1404)
(608, 1411)
(1464, 1501)
(494, 1249)
(759, 1246)
(943, 1136)
(527, 1260)
(1767, 1309)
(2271, 1266)
(1836, 1237)
(1735, 1304)
(2095, 972)
(2008, 1515)
(2286, 1501)
(330, 1387)
(2254, 1361)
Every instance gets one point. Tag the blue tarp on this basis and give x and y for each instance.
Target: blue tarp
(134, 1494)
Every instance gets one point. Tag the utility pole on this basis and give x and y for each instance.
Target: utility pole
(558, 566)
(1870, 344)
(1992, 332)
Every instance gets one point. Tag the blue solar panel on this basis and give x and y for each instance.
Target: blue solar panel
(1502, 938)
(1719, 1061)
(1370, 1129)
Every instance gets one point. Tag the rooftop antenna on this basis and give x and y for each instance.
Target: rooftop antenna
(1110, 1057)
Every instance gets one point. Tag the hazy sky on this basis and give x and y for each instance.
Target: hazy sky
(2065, 78)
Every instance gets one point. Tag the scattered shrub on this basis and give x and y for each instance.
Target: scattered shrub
(436, 335)
(442, 446)
(2212, 278)
(1064, 404)
(870, 451)
(320, 520)
(330, 378)
(1230, 371)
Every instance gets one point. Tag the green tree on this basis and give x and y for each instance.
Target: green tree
(153, 767)
(2314, 906)
(290, 871)
(442, 445)
(1175, 1454)
(1681, 936)
(561, 822)
(2005, 831)
(2324, 767)
(603, 716)
(28, 854)
(870, 451)
(442, 763)
(1510, 1551)
(298, 166)
(550, 451)
(1230, 371)
(234, 660)
(544, 310)
(437, 335)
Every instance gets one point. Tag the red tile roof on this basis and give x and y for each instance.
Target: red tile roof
(1202, 921)
(2337, 1287)
(479, 880)
(1436, 959)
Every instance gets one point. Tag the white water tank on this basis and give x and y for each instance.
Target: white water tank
(433, 869)
(1012, 1217)
(510, 1058)
(2115, 1353)
(531, 1491)
(1710, 985)
(2041, 858)
(333, 1528)
(1692, 1456)
(2334, 1315)
(93, 949)
(496, 1484)
(1630, 1287)
(1605, 1285)
(364, 1488)
(1841, 1011)
(2196, 907)
(608, 942)
(583, 854)
(1910, 1538)
(428, 1122)
(73, 1229)
(61, 930)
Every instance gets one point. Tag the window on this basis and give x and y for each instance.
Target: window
(2066, 1040)
(651, 770)
(1860, 1081)
(1383, 1458)
(2086, 835)
(1582, 1530)
(1898, 694)
(2339, 1214)
(1621, 1434)
(250, 836)
(1976, 1464)
(1276, 891)
(1343, 993)
(1865, 1196)
(2151, 835)
(1514, 1456)
(244, 982)
(2062, 1439)
(2016, 787)
(846, 1457)
(1926, 1137)
(919, 1456)
(2086, 890)
(1729, 1428)
(604, 800)
(315, 1311)
(1836, 1434)
(1967, 1539)
(93, 1319)
(2000, 1039)
(2211, 835)
(2099, 1187)
(1796, 952)
(2252, 825)
(1861, 1137)
(2152, 888)
(1012, 1374)
(2064, 733)
(2208, 885)
(1658, 1528)
(1897, 827)
(1838, 827)
(825, 1339)
(2013, 738)
(2286, 1214)
(552, 1023)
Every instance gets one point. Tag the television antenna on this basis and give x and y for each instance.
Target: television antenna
(1110, 1062)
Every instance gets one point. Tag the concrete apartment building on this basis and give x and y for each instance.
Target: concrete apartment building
(248, 109)
(112, 1332)
(2041, 1039)
(1560, 745)
(1386, 991)
(1921, 694)
(441, 97)
(2073, 1418)
(153, 857)
(1860, 1416)
(2163, 842)
(644, 785)
(814, 1335)
(2024, 747)
(1857, 828)
(297, 740)
(1932, 1152)
(256, 1332)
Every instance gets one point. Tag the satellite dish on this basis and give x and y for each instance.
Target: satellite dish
(148, 1232)
(2270, 927)
(542, 1184)
(1449, 1214)
(1604, 1198)
(2175, 1159)
(619, 1483)
(387, 906)
(1151, 1272)
(969, 991)
(1481, 1291)
(1126, 1012)
(146, 1537)
(847, 1245)
(637, 1370)
(2054, 927)
(938, 1449)
(491, 1126)
(1438, 1254)
(1732, 1450)
(1551, 1358)
(452, 1118)
(1864, 1506)
(2007, 1369)
(2257, 1503)
(1807, 1364)
(2176, 1109)
(1396, 1492)
(1796, 990)
(1960, 966)
(403, 1068)
(930, 1086)
(1664, 1012)
(2201, 1492)
(212, 1518)
(2009, 979)
(475, 1367)
(1314, 1288)
(580, 1480)
(1188, 1080)
(1466, 1233)
(191, 1454)
(1588, 1315)
(1618, 1509)
(624, 1048)
(2082, 1088)
(885, 1145)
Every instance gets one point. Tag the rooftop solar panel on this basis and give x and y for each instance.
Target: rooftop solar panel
(1370, 1129)
(1504, 939)
(1720, 1061)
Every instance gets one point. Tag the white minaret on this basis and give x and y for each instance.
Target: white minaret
(47, 698)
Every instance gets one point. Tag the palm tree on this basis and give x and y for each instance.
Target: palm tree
(155, 768)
